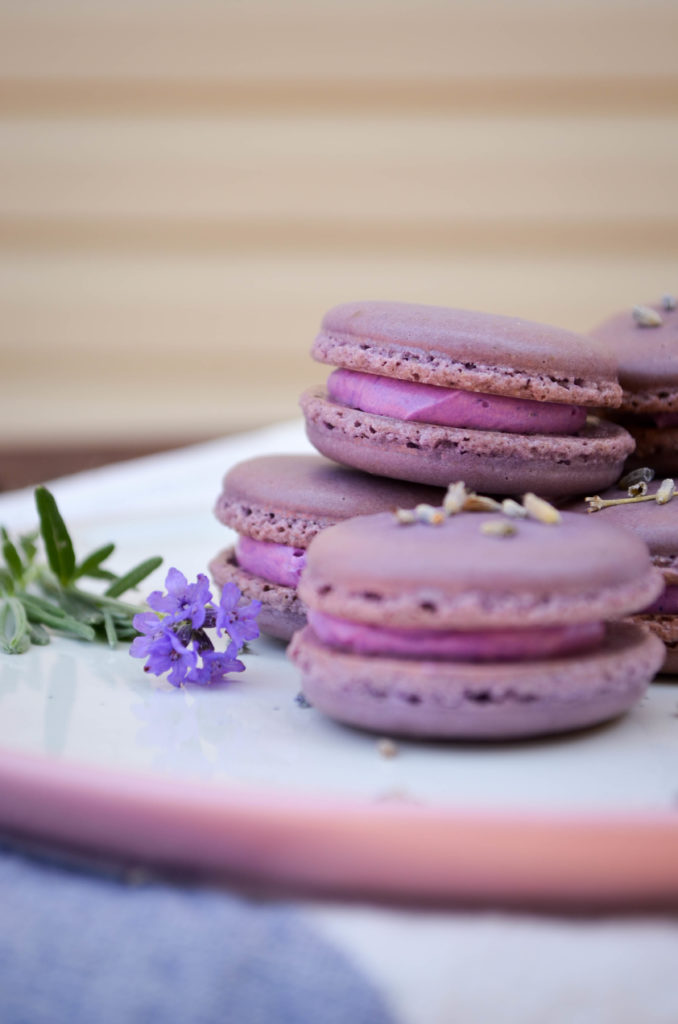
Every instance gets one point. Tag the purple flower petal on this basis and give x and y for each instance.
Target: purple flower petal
(238, 620)
(218, 664)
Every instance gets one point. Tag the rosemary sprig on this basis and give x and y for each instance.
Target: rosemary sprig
(37, 598)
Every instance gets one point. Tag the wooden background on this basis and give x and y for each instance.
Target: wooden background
(186, 186)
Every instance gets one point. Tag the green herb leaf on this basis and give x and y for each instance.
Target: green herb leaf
(133, 577)
(71, 627)
(126, 632)
(28, 545)
(38, 634)
(99, 574)
(35, 604)
(91, 566)
(82, 607)
(6, 581)
(58, 543)
(11, 555)
(40, 611)
(14, 629)
(109, 626)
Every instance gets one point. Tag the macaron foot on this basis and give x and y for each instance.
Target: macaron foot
(455, 700)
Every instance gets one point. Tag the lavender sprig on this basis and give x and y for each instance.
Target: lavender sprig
(173, 634)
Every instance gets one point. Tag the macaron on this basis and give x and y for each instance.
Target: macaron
(645, 343)
(481, 627)
(657, 525)
(430, 394)
(277, 504)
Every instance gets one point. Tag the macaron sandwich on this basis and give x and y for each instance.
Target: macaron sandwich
(644, 341)
(432, 395)
(277, 504)
(476, 624)
(648, 507)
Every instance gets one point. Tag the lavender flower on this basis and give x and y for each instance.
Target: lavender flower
(173, 637)
(183, 600)
(239, 622)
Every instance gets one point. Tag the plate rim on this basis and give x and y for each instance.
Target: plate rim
(342, 848)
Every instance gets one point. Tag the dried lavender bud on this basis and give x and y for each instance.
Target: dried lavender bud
(498, 528)
(643, 475)
(666, 492)
(455, 498)
(512, 509)
(429, 514)
(404, 516)
(387, 747)
(481, 503)
(668, 303)
(540, 510)
(645, 316)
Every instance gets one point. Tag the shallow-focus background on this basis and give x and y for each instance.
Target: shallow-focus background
(186, 185)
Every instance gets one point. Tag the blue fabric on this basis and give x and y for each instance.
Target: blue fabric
(85, 947)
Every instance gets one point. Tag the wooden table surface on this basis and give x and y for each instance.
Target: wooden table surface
(186, 187)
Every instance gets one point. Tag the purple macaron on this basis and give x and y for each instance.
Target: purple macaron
(430, 394)
(277, 504)
(482, 627)
(657, 525)
(644, 341)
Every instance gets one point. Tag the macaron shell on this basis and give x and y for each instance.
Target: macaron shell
(670, 666)
(288, 499)
(454, 700)
(646, 357)
(488, 461)
(453, 576)
(656, 525)
(665, 627)
(656, 447)
(468, 350)
(282, 612)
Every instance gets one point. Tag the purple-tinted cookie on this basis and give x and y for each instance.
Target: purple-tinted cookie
(434, 395)
(277, 504)
(645, 342)
(657, 526)
(455, 631)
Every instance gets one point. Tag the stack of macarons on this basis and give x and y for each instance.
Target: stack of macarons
(277, 504)
(644, 341)
(434, 395)
(457, 615)
(479, 625)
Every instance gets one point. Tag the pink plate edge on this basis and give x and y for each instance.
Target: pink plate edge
(394, 851)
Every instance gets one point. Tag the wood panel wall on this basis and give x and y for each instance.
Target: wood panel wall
(186, 186)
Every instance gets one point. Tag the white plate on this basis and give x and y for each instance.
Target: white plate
(241, 780)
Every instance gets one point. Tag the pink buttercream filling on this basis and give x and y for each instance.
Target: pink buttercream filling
(428, 403)
(666, 603)
(277, 563)
(456, 645)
